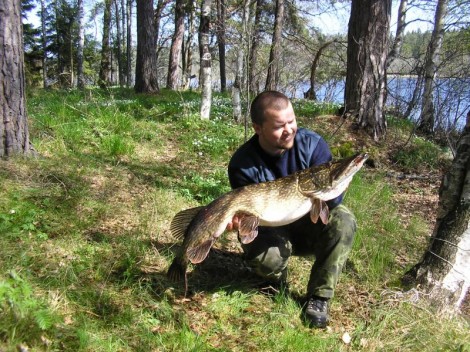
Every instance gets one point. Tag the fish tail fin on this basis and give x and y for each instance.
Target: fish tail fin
(177, 270)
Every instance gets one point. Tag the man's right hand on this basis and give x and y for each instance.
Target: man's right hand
(234, 224)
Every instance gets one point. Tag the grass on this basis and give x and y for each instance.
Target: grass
(84, 232)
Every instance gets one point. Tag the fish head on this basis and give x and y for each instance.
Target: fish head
(345, 169)
(336, 176)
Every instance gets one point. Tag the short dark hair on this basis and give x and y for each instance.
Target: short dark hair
(267, 99)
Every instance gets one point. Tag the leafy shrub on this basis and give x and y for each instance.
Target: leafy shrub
(23, 314)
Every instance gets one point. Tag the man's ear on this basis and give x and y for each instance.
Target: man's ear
(257, 128)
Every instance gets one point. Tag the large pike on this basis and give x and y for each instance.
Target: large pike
(272, 203)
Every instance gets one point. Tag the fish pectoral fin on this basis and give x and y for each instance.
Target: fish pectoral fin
(248, 228)
(181, 221)
(319, 210)
(199, 253)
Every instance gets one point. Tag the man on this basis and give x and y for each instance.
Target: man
(278, 149)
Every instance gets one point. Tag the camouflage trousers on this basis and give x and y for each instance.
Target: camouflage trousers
(330, 244)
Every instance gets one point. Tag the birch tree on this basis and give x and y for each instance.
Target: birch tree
(444, 271)
(205, 74)
(426, 120)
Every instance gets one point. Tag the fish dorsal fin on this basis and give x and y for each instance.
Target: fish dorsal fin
(248, 228)
(319, 210)
(181, 221)
(199, 253)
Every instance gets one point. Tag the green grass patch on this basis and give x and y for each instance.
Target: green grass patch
(86, 242)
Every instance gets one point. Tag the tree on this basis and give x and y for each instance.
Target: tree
(253, 76)
(14, 134)
(105, 67)
(274, 55)
(398, 41)
(366, 79)
(176, 47)
(129, 41)
(426, 120)
(221, 14)
(81, 43)
(444, 269)
(311, 94)
(146, 62)
(237, 84)
(189, 45)
(205, 75)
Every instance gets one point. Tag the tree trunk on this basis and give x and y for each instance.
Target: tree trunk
(81, 43)
(444, 270)
(129, 42)
(237, 85)
(173, 78)
(146, 64)
(119, 42)
(189, 45)
(44, 44)
(273, 65)
(366, 79)
(253, 76)
(221, 14)
(426, 120)
(401, 25)
(14, 134)
(205, 55)
(105, 66)
(313, 69)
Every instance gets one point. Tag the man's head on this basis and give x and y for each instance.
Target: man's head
(274, 121)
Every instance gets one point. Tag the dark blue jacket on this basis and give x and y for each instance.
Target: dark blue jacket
(251, 164)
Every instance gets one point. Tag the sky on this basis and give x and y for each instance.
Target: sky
(337, 22)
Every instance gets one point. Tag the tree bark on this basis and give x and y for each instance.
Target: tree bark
(173, 77)
(146, 64)
(119, 43)
(81, 43)
(444, 269)
(401, 25)
(189, 45)
(129, 42)
(221, 14)
(366, 79)
(205, 74)
(14, 134)
(273, 65)
(44, 43)
(237, 85)
(253, 76)
(313, 70)
(105, 66)
(426, 120)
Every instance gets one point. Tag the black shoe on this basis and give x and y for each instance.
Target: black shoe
(316, 312)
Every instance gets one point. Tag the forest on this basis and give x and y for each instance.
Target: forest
(116, 115)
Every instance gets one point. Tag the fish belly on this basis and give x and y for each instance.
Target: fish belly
(283, 213)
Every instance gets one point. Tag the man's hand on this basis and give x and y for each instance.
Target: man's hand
(234, 224)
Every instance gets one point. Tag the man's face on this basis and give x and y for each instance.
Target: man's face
(278, 130)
